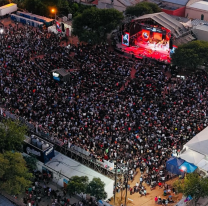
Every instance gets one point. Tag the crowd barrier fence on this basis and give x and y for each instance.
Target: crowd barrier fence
(106, 167)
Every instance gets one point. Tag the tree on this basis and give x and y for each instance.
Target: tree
(31, 162)
(36, 6)
(191, 55)
(14, 175)
(77, 184)
(63, 6)
(96, 188)
(94, 24)
(12, 135)
(142, 8)
(193, 185)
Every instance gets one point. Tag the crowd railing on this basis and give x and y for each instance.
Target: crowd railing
(104, 167)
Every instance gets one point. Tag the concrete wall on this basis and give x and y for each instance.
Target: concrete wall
(200, 34)
(178, 12)
(58, 178)
(193, 13)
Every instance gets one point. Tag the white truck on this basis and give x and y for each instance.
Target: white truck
(8, 9)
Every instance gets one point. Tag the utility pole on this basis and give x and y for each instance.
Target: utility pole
(121, 184)
(115, 176)
(127, 180)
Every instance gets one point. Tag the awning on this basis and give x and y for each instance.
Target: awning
(172, 165)
(188, 167)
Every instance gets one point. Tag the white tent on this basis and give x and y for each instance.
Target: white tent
(196, 152)
(67, 168)
(52, 29)
(191, 156)
(188, 24)
(203, 164)
(199, 143)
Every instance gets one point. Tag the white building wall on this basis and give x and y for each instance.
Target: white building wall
(58, 178)
(193, 13)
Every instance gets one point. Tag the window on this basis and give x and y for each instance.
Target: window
(202, 17)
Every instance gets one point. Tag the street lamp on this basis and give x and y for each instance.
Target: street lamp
(17, 25)
(53, 11)
(116, 175)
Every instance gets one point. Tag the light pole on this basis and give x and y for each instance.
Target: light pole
(115, 176)
(184, 169)
(1, 33)
(121, 184)
(127, 181)
(53, 11)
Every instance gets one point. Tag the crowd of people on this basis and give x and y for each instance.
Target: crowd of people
(42, 191)
(102, 109)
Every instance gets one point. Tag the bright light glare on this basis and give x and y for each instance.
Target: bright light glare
(1, 31)
(183, 168)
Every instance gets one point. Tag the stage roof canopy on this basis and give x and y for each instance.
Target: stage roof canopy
(165, 20)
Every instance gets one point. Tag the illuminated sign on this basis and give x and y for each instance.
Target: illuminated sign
(55, 74)
(145, 35)
(125, 39)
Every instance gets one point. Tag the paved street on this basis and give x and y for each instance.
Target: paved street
(5, 202)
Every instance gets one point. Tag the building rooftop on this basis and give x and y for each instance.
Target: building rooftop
(197, 22)
(202, 5)
(7, 5)
(168, 7)
(202, 27)
(179, 2)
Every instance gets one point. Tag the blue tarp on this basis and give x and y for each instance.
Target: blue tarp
(103, 203)
(188, 167)
(173, 164)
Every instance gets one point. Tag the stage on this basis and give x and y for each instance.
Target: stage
(144, 49)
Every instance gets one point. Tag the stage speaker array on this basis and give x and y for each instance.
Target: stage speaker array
(163, 35)
(170, 44)
(62, 27)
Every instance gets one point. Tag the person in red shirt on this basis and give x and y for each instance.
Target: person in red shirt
(156, 199)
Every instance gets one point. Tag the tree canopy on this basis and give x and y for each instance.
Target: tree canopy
(193, 185)
(43, 7)
(31, 162)
(191, 55)
(94, 24)
(142, 8)
(14, 175)
(11, 135)
(77, 184)
(96, 188)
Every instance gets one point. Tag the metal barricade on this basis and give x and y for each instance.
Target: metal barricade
(74, 152)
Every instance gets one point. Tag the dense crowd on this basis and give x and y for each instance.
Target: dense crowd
(102, 109)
